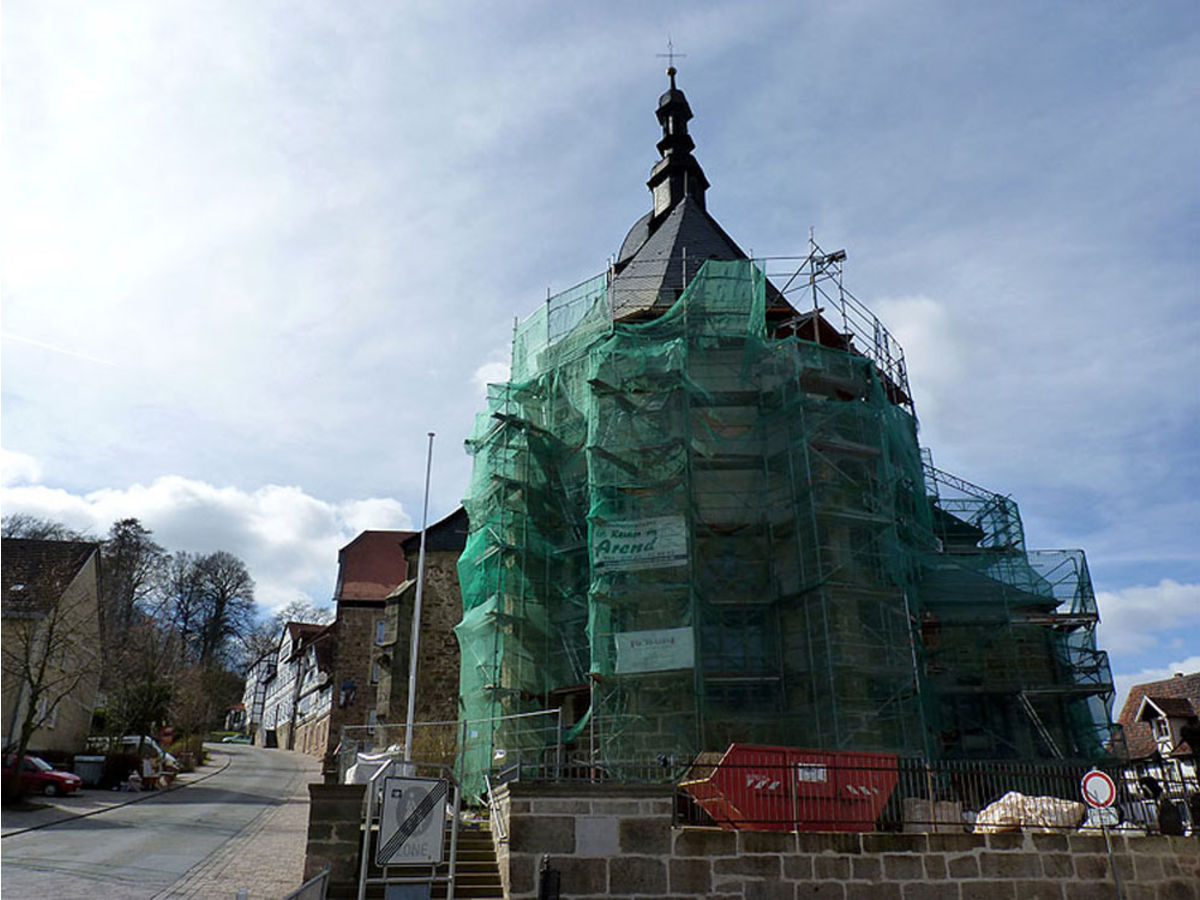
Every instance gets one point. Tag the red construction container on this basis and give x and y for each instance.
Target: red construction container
(755, 788)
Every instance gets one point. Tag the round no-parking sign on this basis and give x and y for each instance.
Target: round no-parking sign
(1098, 789)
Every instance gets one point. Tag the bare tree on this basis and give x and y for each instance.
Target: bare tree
(183, 603)
(259, 641)
(146, 664)
(263, 636)
(134, 567)
(227, 604)
(302, 611)
(202, 696)
(23, 525)
(51, 628)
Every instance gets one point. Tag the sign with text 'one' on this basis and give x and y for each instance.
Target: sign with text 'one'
(639, 544)
(655, 651)
(412, 821)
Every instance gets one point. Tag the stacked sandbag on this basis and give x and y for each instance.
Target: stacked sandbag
(1016, 812)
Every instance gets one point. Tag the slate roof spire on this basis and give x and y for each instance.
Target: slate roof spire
(666, 247)
(677, 174)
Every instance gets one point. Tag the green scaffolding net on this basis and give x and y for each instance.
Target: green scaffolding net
(706, 528)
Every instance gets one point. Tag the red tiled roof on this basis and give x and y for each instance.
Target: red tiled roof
(1173, 707)
(1138, 736)
(371, 565)
(305, 633)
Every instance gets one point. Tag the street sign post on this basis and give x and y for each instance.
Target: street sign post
(412, 821)
(1099, 790)
(1100, 793)
(409, 819)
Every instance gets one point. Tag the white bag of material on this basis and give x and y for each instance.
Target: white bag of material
(367, 764)
(1017, 812)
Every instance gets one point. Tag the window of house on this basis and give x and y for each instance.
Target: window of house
(380, 631)
(372, 719)
(1162, 729)
(375, 673)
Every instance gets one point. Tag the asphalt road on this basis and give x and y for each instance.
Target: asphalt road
(144, 849)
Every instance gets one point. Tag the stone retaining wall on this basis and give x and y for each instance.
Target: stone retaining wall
(335, 814)
(312, 736)
(618, 842)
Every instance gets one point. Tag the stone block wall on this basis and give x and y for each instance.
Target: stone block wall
(438, 666)
(335, 815)
(353, 658)
(312, 736)
(438, 663)
(618, 842)
(283, 733)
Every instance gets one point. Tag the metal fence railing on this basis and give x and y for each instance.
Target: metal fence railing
(788, 789)
(313, 889)
(458, 744)
(577, 768)
(803, 791)
(435, 742)
(495, 814)
(778, 789)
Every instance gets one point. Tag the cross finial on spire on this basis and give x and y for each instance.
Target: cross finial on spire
(669, 56)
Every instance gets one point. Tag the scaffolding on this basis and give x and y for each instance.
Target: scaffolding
(1009, 636)
(716, 525)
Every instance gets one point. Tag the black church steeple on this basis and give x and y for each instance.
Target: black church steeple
(666, 247)
(677, 174)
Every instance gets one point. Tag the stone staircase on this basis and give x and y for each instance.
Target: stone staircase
(476, 874)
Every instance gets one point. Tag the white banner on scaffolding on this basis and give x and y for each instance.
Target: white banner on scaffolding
(639, 544)
(655, 651)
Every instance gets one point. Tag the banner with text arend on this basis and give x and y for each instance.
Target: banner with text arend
(639, 544)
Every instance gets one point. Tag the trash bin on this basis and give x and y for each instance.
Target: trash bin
(90, 769)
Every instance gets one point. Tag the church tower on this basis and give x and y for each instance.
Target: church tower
(699, 514)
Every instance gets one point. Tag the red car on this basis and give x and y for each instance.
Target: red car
(38, 776)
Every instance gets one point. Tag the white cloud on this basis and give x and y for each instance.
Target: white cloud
(1143, 618)
(287, 538)
(18, 468)
(299, 240)
(365, 515)
(490, 373)
(1126, 681)
(925, 329)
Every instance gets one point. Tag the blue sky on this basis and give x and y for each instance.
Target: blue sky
(255, 251)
